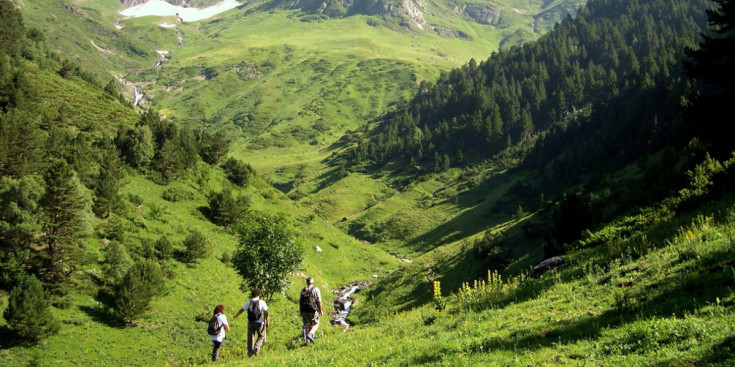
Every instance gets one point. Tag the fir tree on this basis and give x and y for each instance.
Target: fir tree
(108, 183)
(64, 221)
(141, 284)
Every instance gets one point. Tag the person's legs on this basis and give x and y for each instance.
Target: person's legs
(314, 326)
(261, 338)
(215, 350)
(252, 329)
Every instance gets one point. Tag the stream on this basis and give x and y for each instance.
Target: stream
(343, 304)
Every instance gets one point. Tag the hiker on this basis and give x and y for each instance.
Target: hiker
(258, 321)
(310, 308)
(217, 328)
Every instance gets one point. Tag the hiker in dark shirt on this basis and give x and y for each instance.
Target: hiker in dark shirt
(310, 308)
(258, 321)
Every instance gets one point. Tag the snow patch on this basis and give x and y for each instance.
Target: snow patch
(162, 9)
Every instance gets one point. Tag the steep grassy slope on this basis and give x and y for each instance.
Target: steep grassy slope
(659, 294)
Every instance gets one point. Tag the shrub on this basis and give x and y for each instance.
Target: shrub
(164, 248)
(28, 312)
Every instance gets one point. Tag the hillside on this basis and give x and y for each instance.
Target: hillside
(382, 152)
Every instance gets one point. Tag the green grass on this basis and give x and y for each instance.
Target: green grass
(667, 303)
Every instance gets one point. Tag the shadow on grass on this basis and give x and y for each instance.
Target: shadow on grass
(677, 297)
(102, 312)
(8, 339)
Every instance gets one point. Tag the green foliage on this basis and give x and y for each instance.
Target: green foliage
(196, 246)
(267, 254)
(212, 147)
(134, 293)
(29, 311)
(21, 151)
(238, 172)
(227, 208)
(13, 31)
(116, 263)
(108, 183)
(65, 209)
(136, 145)
(176, 194)
(164, 248)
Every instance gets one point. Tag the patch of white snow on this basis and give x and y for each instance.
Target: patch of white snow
(162, 9)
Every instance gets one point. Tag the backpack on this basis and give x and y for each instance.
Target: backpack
(254, 311)
(307, 301)
(215, 325)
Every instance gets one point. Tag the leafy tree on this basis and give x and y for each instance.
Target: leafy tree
(108, 183)
(267, 254)
(141, 284)
(64, 221)
(238, 172)
(196, 246)
(226, 208)
(29, 311)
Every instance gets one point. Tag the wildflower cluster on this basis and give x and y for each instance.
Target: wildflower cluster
(485, 293)
(439, 303)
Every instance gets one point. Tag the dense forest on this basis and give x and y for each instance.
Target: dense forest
(595, 93)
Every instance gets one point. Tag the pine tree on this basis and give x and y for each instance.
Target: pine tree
(12, 30)
(108, 183)
(29, 310)
(196, 246)
(64, 221)
(141, 284)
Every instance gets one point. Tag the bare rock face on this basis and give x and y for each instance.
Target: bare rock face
(478, 13)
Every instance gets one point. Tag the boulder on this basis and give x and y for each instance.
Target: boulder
(548, 264)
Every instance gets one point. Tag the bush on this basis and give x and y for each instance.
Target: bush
(174, 194)
(133, 295)
(29, 311)
(164, 248)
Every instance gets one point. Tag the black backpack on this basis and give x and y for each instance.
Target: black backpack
(214, 325)
(254, 311)
(307, 301)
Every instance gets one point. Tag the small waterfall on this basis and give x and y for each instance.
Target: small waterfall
(343, 304)
(137, 96)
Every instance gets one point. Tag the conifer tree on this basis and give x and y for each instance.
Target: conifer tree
(141, 284)
(196, 245)
(108, 183)
(64, 221)
(29, 310)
